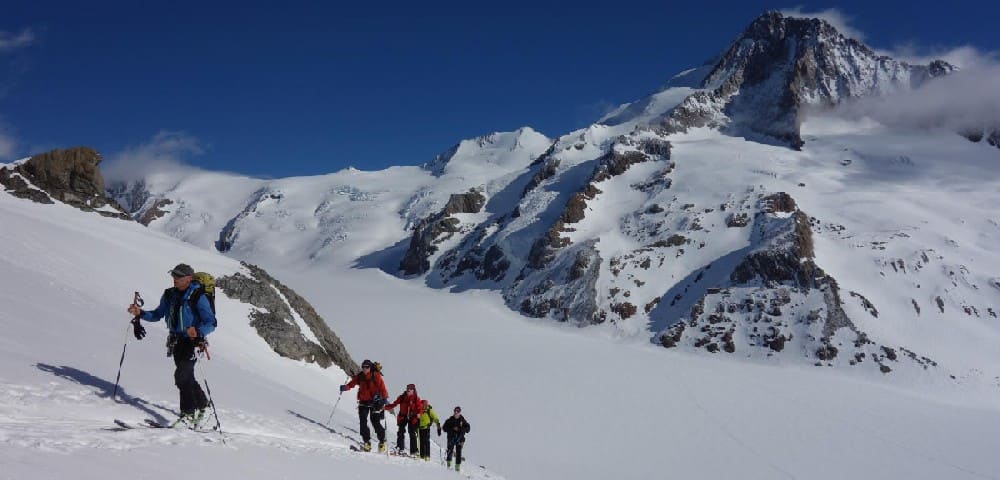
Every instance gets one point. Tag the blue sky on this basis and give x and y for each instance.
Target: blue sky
(303, 88)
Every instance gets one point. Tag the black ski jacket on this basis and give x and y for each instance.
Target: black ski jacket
(456, 426)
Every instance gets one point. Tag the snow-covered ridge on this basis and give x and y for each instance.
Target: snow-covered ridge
(498, 152)
(609, 223)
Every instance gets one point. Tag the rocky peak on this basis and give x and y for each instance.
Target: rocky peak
(780, 64)
(68, 175)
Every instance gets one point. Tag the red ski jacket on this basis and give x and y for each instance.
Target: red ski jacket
(370, 386)
(409, 407)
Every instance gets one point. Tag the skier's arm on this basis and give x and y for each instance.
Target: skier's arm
(353, 383)
(158, 313)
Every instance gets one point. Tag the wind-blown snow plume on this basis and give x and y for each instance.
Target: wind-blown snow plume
(965, 101)
(965, 57)
(167, 150)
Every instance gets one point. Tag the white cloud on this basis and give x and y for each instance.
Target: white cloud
(967, 100)
(11, 41)
(167, 150)
(962, 57)
(8, 146)
(834, 17)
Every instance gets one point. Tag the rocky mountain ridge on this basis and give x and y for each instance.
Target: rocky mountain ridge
(655, 218)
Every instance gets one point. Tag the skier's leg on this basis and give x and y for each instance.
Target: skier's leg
(414, 448)
(400, 431)
(184, 376)
(425, 443)
(366, 434)
(377, 417)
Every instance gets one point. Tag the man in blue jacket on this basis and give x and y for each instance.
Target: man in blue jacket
(189, 319)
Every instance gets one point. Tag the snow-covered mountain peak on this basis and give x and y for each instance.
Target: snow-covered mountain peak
(496, 151)
(811, 53)
(779, 64)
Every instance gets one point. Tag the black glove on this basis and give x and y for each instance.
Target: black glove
(137, 329)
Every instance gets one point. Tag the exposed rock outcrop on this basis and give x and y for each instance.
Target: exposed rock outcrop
(566, 290)
(274, 321)
(778, 298)
(611, 164)
(67, 175)
(137, 201)
(433, 229)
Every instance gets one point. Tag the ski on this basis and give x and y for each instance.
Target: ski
(150, 423)
(358, 449)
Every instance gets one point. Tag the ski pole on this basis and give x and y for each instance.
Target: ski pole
(334, 408)
(137, 301)
(328, 420)
(120, 363)
(218, 424)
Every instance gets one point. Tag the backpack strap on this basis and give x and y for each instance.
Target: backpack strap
(193, 300)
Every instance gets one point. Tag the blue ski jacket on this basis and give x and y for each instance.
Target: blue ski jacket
(179, 319)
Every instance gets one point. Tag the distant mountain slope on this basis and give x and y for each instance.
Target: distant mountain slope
(660, 213)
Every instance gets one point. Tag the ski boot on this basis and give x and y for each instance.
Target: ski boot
(367, 447)
(381, 447)
(458, 467)
(449, 463)
(183, 419)
(196, 418)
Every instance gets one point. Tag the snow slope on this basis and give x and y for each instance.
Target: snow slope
(67, 278)
(545, 401)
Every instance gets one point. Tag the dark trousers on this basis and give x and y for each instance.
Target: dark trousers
(403, 426)
(364, 412)
(425, 443)
(455, 444)
(192, 397)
